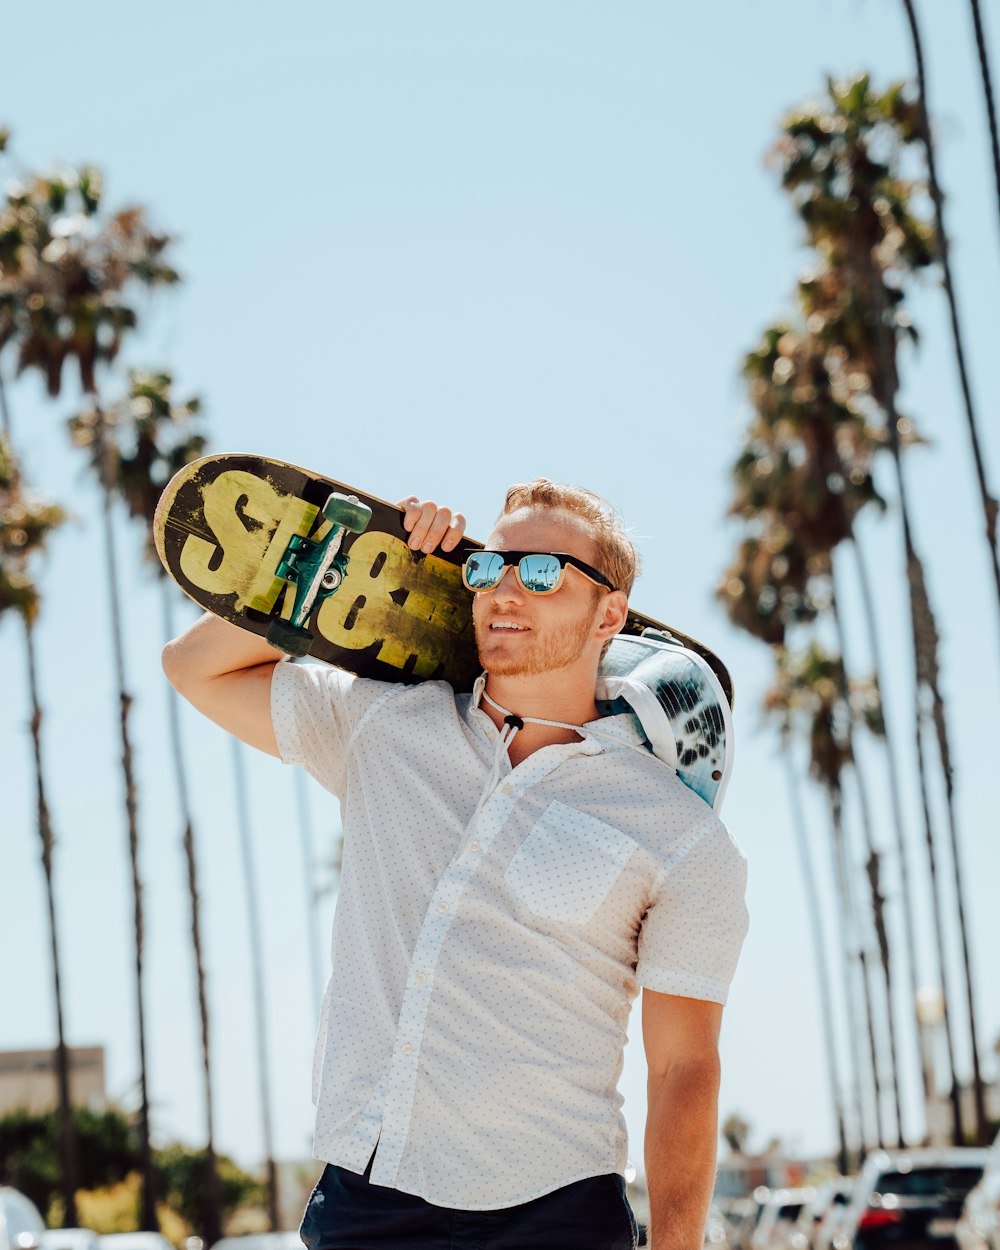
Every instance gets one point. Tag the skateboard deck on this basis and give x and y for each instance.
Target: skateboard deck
(242, 535)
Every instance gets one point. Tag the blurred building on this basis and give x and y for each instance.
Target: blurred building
(741, 1174)
(28, 1080)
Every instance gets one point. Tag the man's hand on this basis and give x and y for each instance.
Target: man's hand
(430, 526)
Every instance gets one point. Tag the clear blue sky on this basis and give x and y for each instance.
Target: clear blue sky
(440, 248)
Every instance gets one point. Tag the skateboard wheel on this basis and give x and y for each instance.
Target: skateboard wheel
(352, 514)
(289, 638)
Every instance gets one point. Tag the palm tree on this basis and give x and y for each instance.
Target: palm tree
(766, 590)
(144, 439)
(69, 273)
(806, 470)
(811, 683)
(989, 502)
(991, 113)
(841, 167)
(25, 526)
(257, 972)
(780, 703)
(990, 511)
(879, 727)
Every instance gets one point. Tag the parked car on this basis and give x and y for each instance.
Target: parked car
(910, 1200)
(979, 1224)
(778, 1217)
(135, 1241)
(835, 1217)
(834, 1192)
(69, 1239)
(20, 1221)
(743, 1215)
(261, 1241)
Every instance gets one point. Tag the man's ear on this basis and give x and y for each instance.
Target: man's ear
(612, 614)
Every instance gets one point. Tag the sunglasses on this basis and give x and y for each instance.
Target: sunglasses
(539, 573)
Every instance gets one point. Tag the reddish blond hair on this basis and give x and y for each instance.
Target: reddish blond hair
(615, 554)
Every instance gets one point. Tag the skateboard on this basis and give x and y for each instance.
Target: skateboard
(319, 568)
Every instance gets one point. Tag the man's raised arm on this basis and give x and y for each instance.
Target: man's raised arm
(225, 671)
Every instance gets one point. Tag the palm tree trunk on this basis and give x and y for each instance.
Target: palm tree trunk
(872, 862)
(212, 1230)
(69, 1166)
(990, 506)
(923, 631)
(991, 113)
(148, 1204)
(957, 1136)
(820, 956)
(309, 887)
(983, 1133)
(257, 971)
(909, 925)
(69, 1169)
(872, 1043)
(845, 925)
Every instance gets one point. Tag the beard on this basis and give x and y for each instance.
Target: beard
(548, 649)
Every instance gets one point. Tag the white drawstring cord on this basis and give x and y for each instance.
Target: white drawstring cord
(518, 722)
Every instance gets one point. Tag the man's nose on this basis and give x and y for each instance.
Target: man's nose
(508, 587)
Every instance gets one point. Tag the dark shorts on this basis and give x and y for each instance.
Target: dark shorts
(347, 1212)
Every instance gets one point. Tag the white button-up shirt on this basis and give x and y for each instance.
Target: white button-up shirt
(489, 941)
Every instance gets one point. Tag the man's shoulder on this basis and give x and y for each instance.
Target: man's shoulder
(433, 701)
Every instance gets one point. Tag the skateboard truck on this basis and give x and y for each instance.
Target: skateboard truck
(316, 568)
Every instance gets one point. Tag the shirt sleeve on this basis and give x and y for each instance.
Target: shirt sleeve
(316, 710)
(693, 930)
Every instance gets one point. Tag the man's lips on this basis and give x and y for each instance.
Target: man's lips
(504, 626)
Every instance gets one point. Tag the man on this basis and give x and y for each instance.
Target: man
(514, 868)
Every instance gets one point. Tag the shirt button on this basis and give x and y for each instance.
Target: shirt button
(474, 846)
(507, 788)
(442, 908)
(421, 978)
(406, 1048)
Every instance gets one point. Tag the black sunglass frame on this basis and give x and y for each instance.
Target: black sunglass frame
(512, 559)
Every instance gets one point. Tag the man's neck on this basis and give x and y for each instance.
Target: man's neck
(556, 696)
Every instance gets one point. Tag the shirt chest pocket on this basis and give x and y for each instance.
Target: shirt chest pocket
(567, 864)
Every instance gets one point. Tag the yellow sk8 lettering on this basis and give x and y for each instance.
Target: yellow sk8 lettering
(251, 524)
(398, 601)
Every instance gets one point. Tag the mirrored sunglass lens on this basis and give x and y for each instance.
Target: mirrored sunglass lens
(484, 569)
(540, 573)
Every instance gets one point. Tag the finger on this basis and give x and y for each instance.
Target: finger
(454, 533)
(436, 530)
(428, 511)
(411, 511)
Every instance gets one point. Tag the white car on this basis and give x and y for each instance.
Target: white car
(20, 1221)
(69, 1239)
(135, 1241)
(812, 1227)
(261, 1241)
(978, 1226)
(777, 1220)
